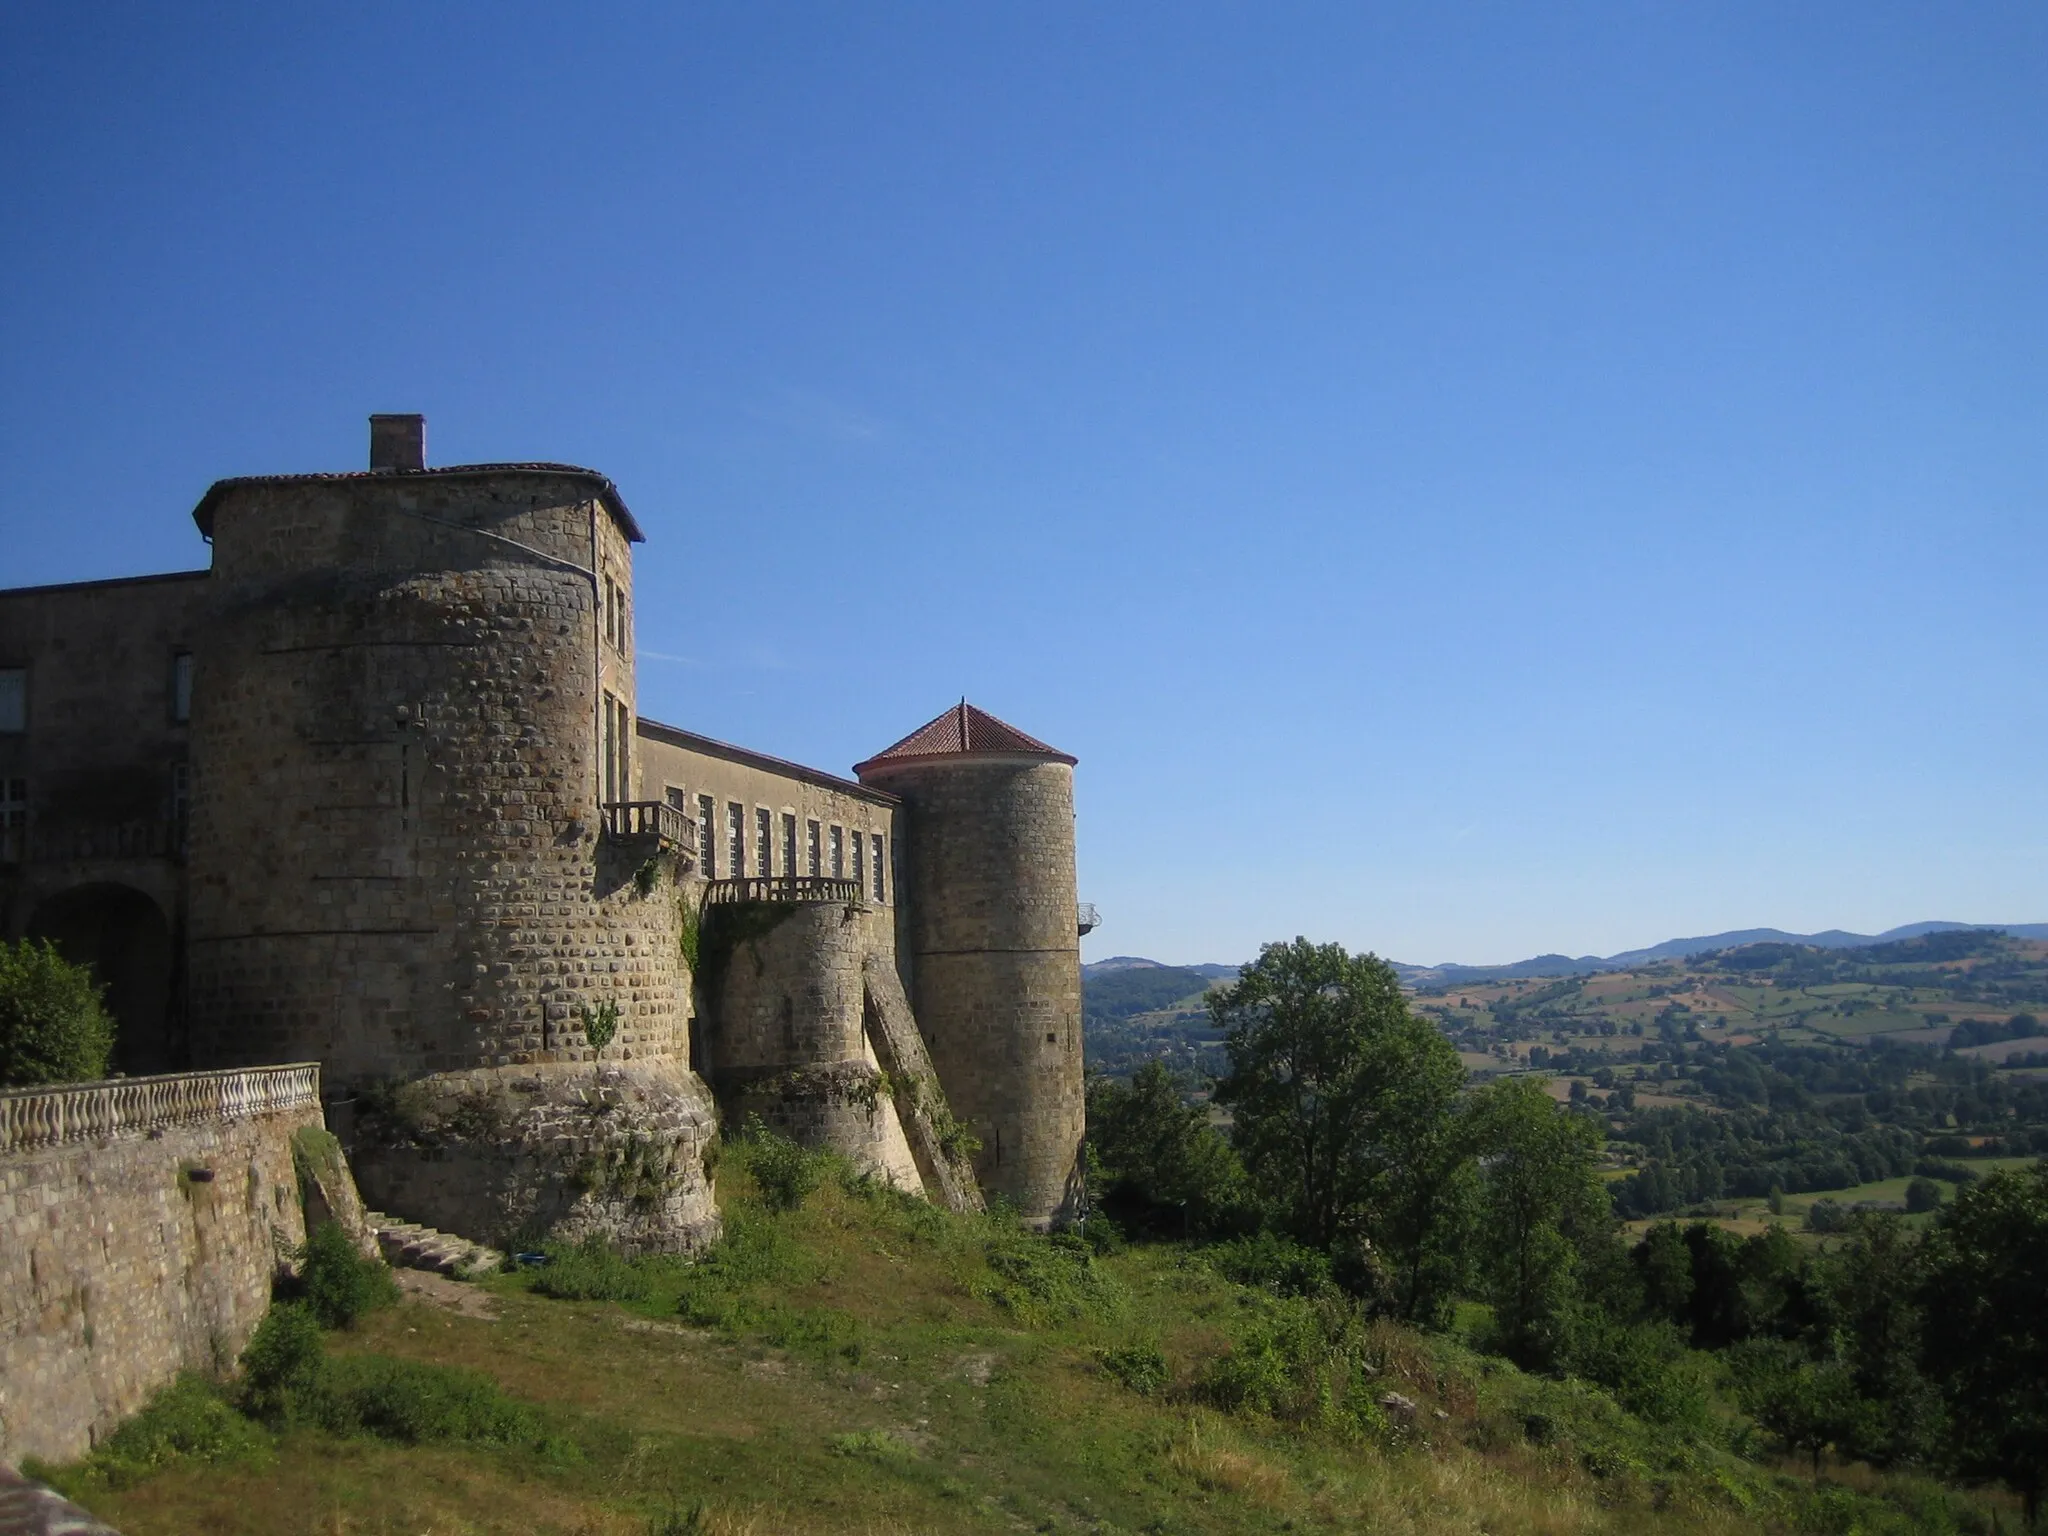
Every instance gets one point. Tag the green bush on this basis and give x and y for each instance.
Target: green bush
(591, 1271)
(281, 1366)
(1272, 1263)
(1049, 1278)
(1141, 1367)
(1923, 1195)
(412, 1402)
(339, 1284)
(784, 1173)
(53, 1028)
(189, 1421)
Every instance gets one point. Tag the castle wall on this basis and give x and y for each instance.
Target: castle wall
(785, 983)
(416, 698)
(139, 1224)
(683, 767)
(995, 963)
(396, 861)
(92, 792)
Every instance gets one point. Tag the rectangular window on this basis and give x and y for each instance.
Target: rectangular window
(13, 820)
(838, 853)
(675, 797)
(13, 699)
(875, 847)
(181, 801)
(812, 836)
(789, 845)
(707, 832)
(764, 841)
(736, 838)
(181, 687)
(611, 750)
(860, 862)
(625, 750)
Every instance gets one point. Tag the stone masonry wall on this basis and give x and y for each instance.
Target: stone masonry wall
(129, 1258)
(995, 964)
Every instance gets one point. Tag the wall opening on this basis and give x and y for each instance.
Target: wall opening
(122, 935)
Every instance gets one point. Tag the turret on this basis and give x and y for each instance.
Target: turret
(991, 942)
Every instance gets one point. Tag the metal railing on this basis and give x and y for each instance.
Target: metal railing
(817, 888)
(49, 841)
(134, 1106)
(656, 821)
(1088, 919)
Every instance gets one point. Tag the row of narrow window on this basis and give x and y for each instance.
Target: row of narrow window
(745, 845)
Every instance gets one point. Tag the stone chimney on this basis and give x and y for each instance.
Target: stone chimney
(398, 442)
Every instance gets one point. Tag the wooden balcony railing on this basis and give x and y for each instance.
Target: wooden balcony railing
(649, 821)
(809, 888)
(134, 1106)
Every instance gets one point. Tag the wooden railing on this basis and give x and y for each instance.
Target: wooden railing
(134, 1106)
(649, 821)
(63, 842)
(818, 888)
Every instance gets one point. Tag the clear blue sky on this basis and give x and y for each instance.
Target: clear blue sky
(1466, 480)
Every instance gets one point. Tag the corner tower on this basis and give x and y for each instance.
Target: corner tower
(992, 943)
(412, 853)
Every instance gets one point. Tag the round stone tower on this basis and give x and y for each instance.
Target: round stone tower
(410, 857)
(992, 943)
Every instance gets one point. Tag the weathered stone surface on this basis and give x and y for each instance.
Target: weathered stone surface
(124, 1261)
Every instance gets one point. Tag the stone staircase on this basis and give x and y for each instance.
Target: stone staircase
(408, 1245)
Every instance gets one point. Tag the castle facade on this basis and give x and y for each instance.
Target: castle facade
(374, 791)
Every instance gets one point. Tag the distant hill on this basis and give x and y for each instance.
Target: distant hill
(1679, 949)
(1136, 963)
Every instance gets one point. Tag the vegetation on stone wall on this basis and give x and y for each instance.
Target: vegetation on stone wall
(53, 1026)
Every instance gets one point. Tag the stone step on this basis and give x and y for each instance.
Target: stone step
(408, 1245)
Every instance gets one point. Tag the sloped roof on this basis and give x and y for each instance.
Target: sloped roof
(961, 731)
(606, 491)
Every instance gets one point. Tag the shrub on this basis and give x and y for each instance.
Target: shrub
(1141, 1367)
(784, 1173)
(1923, 1195)
(1272, 1263)
(412, 1402)
(1826, 1215)
(53, 1028)
(340, 1285)
(189, 1421)
(281, 1366)
(591, 1272)
(1046, 1277)
(871, 1445)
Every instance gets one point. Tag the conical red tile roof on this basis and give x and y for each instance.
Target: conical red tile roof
(961, 731)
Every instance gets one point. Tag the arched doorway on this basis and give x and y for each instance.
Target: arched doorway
(122, 935)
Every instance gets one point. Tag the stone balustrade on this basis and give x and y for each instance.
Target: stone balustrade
(34, 1118)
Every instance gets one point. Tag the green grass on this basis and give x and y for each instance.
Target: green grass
(865, 1363)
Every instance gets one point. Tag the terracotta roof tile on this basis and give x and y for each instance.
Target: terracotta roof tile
(959, 732)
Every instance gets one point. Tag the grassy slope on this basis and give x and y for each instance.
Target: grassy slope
(871, 1376)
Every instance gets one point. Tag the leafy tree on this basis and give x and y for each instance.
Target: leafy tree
(1808, 1405)
(1163, 1166)
(1541, 1204)
(1345, 1111)
(1923, 1195)
(1866, 1292)
(53, 1028)
(1986, 1328)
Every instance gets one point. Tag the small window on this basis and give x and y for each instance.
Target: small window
(860, 862)
(839, 853)
(813, 837)
(875, 846)
(764, 841)
(788, 844)
(181, 687)
(13, 699)
(707, 831)
(675, 797)
(736, 838)
(13, 820)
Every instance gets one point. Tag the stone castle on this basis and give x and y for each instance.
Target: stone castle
(374, 792)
